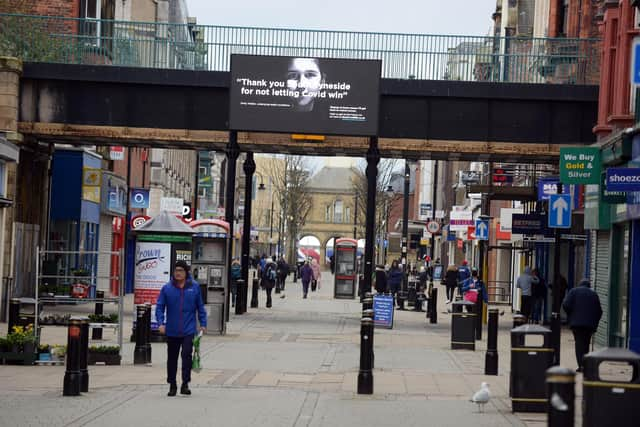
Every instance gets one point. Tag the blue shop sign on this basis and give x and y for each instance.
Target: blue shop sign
(139, 198)
(383, 311)
(549, 186)
(114, 195)
(623, 179)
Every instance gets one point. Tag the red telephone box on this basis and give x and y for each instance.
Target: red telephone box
(345, 251)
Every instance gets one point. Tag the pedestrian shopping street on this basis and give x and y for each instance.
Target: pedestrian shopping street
(293, 365)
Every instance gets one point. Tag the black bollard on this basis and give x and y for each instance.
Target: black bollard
(368, 313)
(555, 337)
(245, 295)
(84, 354)
(401, 298)
(419, 301)
(367, 302)
(147, 332)
(255, 288)
(140, 352)
(365, 375)
(561, 395)
(491, 357)
(433, 318)
(239, 288)
(72, 384)
(478, 309)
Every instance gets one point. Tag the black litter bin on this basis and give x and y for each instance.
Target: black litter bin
(21, 312)
(529, 364)
(412, 294)
(463, 326)
(611, 402)
(203, 292)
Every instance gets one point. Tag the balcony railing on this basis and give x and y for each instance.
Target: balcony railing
(197, 47)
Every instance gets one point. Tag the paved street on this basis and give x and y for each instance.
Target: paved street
(293, 365)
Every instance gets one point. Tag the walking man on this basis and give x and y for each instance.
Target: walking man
(180, 299)
(269, 278)
(306, 274)
(525, 282)
(582, 305)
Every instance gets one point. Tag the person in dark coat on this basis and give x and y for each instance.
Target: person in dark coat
(306, 274)
(381, 279)
(582, 305)
(394, 278)
(558, 291)
(282, 272)
(451, 282)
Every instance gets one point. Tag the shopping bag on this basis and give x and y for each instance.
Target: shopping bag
(471, 296)
(196, 366)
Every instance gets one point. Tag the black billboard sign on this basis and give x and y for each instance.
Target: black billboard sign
(304, 95)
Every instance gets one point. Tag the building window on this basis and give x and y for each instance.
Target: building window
(337, 211)
(347, 214)
(563, 19)
(3, 178)
(202, 192)
(327, 214)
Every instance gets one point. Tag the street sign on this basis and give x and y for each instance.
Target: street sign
(482, 229)
(171, 204)
(433, 227)
(549, 186)
(635, 62)
(580, 165)
(138, 220)
(560, 211)
(439, 214)
(623, 179)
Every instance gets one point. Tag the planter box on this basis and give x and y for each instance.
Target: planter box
(24, 358)
(102, 358)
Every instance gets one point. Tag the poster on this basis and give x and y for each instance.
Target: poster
(383, 311)
(304, 95)
(152, 271)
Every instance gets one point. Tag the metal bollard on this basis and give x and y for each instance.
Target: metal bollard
(84, 354)
(555, 337)
(72, 383)
(433, 318)
(255, 288)
(367, 302)
(239, 288)
(140, 353)
(368, 313)
(147, 332)
(519, 320)
(365, 375)
(96, 333)
(561, 396)
(491, 356)
(478, 309)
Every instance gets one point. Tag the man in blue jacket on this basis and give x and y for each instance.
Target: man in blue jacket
(582, 305)
(181, 299)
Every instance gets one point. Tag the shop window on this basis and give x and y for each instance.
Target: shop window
(347, 214)
(337, 211)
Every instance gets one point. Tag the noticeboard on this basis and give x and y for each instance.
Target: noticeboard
(437, 272)
(383, 311)
(319, 96)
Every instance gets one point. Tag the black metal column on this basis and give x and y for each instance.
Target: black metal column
(405, 228)
(140, 351)
(491, 357)
(561, 392)
(233, 151)
(84, 354)
(96, 333)
(249, 168)
(373, 158)
(365, 375)
(72, 383)
(555, 315)
(434, 199)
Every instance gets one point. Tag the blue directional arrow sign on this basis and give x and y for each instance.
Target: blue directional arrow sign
(559, 211)
(482, 229)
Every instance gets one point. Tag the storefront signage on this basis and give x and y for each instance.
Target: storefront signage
(91, 184)
(528, 224)
(611, 197)
(460, 220)
(116, 153)
(549, 186)
(306, 95)
(623, 179)
(383, 311)
(172, 205)
(580, 165)
(138, 221)
(139, 198)
(502, 176)
(151, 271)
(114, 195)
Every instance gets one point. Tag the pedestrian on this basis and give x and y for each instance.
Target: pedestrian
(236, 274)
(451, 282)
(282, 272)
(269, 277)
(539, 296)
(332, 264)
(180, 300)
(306, 275)
(525, 282)
(394, 278)
(558, 292)
(381, 279)
(315, 283)
(423, 277)
(582, 305)
(262, 262)
(475, 289)
(464, 274)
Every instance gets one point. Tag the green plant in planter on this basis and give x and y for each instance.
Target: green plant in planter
(22, 338)
(105, 349)
(4, 345)
(44, 348)
(59, 351)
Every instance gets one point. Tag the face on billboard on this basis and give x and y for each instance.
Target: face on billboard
(304, 95)
(305, 79)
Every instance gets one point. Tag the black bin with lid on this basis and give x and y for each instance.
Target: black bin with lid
(611, 401)
(463, 326)
(529, 363)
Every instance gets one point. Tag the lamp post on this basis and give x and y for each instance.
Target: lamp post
(355, 216)
(405, 222)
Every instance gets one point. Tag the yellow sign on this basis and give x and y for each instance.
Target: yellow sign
(301, 137)
(91, 193)
(91, 176)
(424, 242)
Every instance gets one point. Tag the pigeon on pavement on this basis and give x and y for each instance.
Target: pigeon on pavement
(482, 396)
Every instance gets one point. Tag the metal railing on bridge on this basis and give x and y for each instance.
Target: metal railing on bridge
(206, 47)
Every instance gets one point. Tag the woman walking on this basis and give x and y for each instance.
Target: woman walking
(451, 282)
(394, 278)
(316, 275)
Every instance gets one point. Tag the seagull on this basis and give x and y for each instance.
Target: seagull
(482, 396)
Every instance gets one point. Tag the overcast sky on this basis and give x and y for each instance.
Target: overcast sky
(468, 17)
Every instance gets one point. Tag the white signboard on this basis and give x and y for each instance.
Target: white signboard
(505, 218)
(460, 220)
(151, 271)
(172, 205)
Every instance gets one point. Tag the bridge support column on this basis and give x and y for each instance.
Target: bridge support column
(249, 167)
(10, 71)
(233, 151)
(373, 158)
